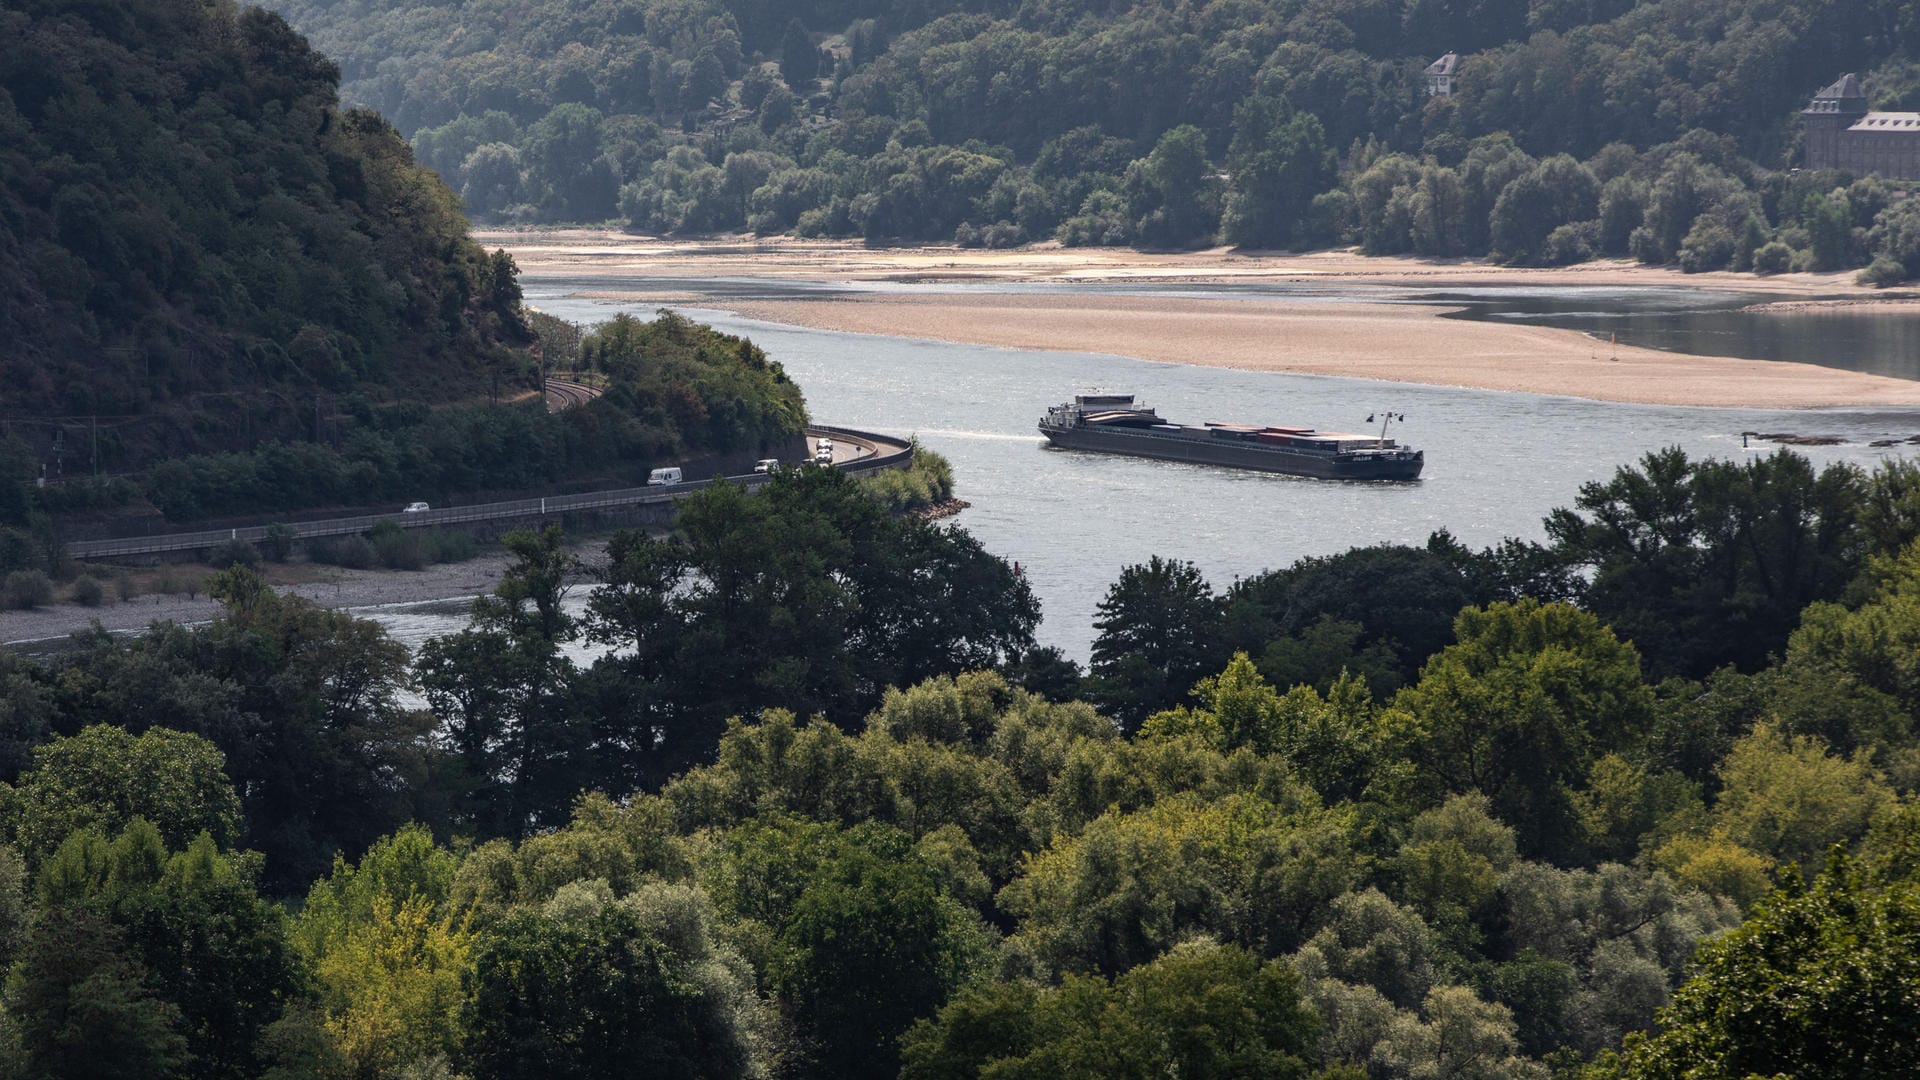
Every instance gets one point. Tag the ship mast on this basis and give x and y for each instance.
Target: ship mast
(1385, 419)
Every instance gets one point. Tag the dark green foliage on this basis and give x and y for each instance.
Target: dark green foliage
(83, 1006)
(1818, 984)
(210, 950)
(234, 553)
(88, 592)
(1159, 633)
(500, 688)
(870, 945)
(675, 387)
(26, 589)
(103, 778)
(1001, 122)
(299, 699)
(1702, 564)
(591, 996)
(1203, 1010)
(806, 596)
(1400, 601)
(197, 241)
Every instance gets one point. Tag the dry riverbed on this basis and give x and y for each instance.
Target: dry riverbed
(1391, 341)
(327, 586)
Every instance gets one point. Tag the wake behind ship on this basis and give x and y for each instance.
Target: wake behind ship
(1114, 424)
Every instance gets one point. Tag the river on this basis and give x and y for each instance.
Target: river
(1496, 462)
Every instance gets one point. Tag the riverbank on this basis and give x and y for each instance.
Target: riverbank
(331, 587)
(574, 252)
(1389, 339)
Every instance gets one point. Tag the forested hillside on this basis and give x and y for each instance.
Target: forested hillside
(1286, 124)
(1635, 804)
(201, 251)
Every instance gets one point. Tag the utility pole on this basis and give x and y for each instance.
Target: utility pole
(93, 429)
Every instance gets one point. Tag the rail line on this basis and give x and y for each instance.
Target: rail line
(565, 394)
(873, 453)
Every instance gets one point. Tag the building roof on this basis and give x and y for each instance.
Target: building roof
(1848, 86)
(1888, 121)
(1446, 64)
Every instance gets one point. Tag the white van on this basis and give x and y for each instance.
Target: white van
(766, 464)
(661, 477)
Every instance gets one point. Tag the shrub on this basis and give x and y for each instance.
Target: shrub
(279, 541)
(396, 548)
(123, 586)
(451, 545)
(233, 553)
(1572, 243)
(1883, 272)
(352, 552)
(26, 589)
(88, 592)
(167, 581)
(1772, 257)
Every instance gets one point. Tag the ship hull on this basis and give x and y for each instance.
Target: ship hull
(1202, 451)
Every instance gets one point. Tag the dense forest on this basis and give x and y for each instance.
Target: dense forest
(1659, 131)
(1636, 802)
(202, 251)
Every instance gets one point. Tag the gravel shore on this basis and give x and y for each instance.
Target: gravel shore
(330, 587)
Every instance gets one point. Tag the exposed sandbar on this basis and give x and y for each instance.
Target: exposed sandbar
(1399, 342)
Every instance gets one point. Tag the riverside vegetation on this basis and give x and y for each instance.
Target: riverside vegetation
(1663, 131)
(1634, 803)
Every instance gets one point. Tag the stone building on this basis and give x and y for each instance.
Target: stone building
(1842, 133)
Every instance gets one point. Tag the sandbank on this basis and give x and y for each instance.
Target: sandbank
(1399, 342)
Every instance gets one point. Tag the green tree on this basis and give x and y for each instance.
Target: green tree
(212, 950)
(1278, 162)
(1133, 884)
(389, 953)
(1558, 191)
(1202, 1010)
(595, 992)
(82, 1006)
(799, 59)
(1172, 194)
(1519, 708)
(500, 690)
(870, 946)
(105, 777)
(1158, 634)
(1818, 983)
(1708, 563)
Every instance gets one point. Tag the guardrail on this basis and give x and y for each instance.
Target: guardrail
(888, 453)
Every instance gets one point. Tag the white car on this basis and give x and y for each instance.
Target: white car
(416, 508)
(766, 465)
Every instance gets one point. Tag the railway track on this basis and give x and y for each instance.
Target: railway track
(564, 394)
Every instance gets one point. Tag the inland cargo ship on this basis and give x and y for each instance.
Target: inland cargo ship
(1115, 424)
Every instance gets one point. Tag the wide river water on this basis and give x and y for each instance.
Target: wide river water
(1496, 462)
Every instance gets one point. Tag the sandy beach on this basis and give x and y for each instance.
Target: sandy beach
(1398, 342)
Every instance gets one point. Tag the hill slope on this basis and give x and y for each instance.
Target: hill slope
(947, 112)
(202, 251)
